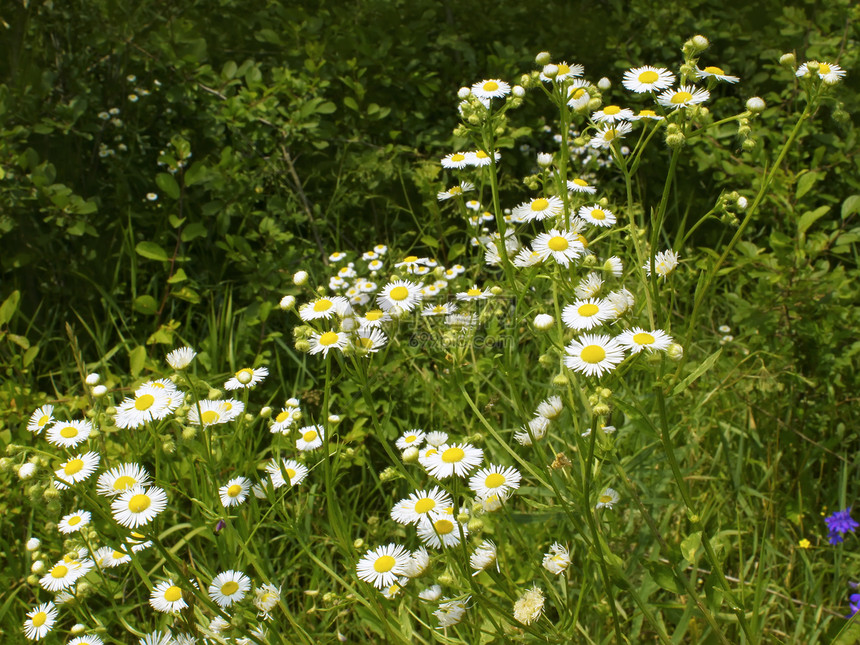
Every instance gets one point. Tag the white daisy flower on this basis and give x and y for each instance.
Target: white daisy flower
(557, 560)
(107, 557)
(431, 594)
(436, 438)
(295, 472)
(138, 506)
(597, 215)
(234, 492)
(637, 339)
(311, 438)
(607, 133)
(550, 408)
(664, 263)
(74, 522)
(479, 158)
(68, 434)
(439, 531)
(143, 408)
(455, 160)
(40, 621)
(211, 412)
(577, 95)
(828, 72)
(412, 438)
(651, 115)
(561, 246)
(474, 294)
(491, 89)
(717, 73)
(589, 286)
(40, 419)
(607, 498)
(587, 314)
(684, 96)
(527, 258)
(247, 378)
(180, 358)
(495, 480)
(621, 301)
(167, 597)
(483, 557)
(455, 191)
(593, 354)
(647, 79)
(370, 339)
(383, 565)
(76, 469)
(456, 459)
(539, 208)
(324, 308)
(283, 421)
(421, 505)
(565, 71)
(323, 343)
(450, 612)
(579, 185)
(402, 295)
(229, 587)
(612, 114)
(614, 266)
(418, 563)
(374, 318)
(444, 309)
(266, 598)
(61, 576)
(112, 482)
(88, 639)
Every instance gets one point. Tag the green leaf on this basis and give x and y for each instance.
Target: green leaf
(177, 277)
(707, 364)
(136, 358)
(350, 103)
(30, 355)
(167, 183)
(850, 206)
(145, 304)
(193, 231)
(805, 183)
(691, 544)
(849, 634)
(430, 241)
(151, 251)
(229, 70)
(9, 307)
(456, 251)
(175, 221)
(664, 576)
(809, 218)
(195, 174)
(326, 108)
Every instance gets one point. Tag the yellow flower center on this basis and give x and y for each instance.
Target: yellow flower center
(43, 420)
(494, 480)
(473, 292)
(210, 416)
(610, 134)
(399, 293)
(490, 86)
(824, 68)
(582, 240)
(39, 619)
(329, 338)
(578, 94)
(172, 594)
(605, 499)
(443, 527)
(234, 490)
(598, 214)
(580, 182)
(592, 354)
(643, 338)
(365, 342)
(588, 309)
(74, 466)
(59, 571)
(480, 154)
(229, 588)
(455, 190)
(424, 505)
(649, 77)
(282, 416)
(457, 157)
(563, 69)
(374, 314)
(453, 455)
(323, 304)
(309, 436)
(156, 384)
(118, 555)
(384, 564)
(647, 113)
(411, 258)
(714, 70)
(681, 97)
(558, 243)
(139, 503)
(74, 521)
(291, 473)
(540, 204)
(611, 110)
(410, 439)
(144, 402)
(124, 482)
(68, 432)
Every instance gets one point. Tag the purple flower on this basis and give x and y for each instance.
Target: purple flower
(854, 603)
(221, 524)
(839, 524)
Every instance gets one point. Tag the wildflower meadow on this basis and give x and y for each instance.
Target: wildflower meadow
(567, 357)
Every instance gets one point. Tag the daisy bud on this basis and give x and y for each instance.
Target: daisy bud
(518, 91)
(496, 290)
(700, 42)
(675, 140)
(37, 567)
(33, 544)
(33, 580)
(287, 302)
(550, 71)
(601, 410)
(463, 93)
(410, 455)
(788, 60)
(189, 432)
(675, 352)
(213, 394)
(840, 116)
(546, 360)
(303, 346)
(168, 447)
(749, 145)
(26, 470)
(446, 579)
(589, 261)
(300, 278)
(813, 66)
(742, 203)
(561, 380)
(594, 104)
(348, 324)
(358, 544)
(93, 379)
(474, 119)
(544, 322)
(544, 159)
(744, 131)
(605, 392)
(296, 415)
(5, 464)
(266, 412)
(526, 80)
(78, 628)
(831, 80)
(99, 391)
(543, 58)
(334, 419)
(755, 105)
(604, 84)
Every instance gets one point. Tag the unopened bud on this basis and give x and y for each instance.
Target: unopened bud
(604, 84)
(302, 346)
(699, 42)
(675, 140)
(550, 71)
(543, 58)
(789, 60)
(93, 379)
(755, 105)
(463, 93)
(287, 302)
(518, 91)
(410, 455)
(300, 278)
(544, 159)
(561, 380)
(543, 322)
(601, 410)
(476, 525)
(675, 352)
(749, 145)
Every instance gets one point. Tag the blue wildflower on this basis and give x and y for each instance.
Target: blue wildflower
(854, 603)
(839, 524)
